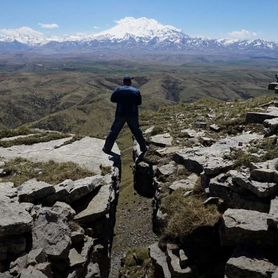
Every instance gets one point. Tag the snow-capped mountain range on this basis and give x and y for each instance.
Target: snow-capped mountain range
(130, 33)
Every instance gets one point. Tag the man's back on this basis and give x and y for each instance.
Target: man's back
(127, 98)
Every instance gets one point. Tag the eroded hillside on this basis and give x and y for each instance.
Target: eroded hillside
(76, 98)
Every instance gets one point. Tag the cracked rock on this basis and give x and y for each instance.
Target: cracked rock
(32, 191)
(247, 227)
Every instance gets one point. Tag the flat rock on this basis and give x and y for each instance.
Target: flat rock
(198, 160)
(149, 130)
(160, 260)
(167, 169)
(264, 175)
(75, 258)
(14, 219)
(70, 191)
(186, 184)
(7, 189)
(212, 160)
(162, 140)
(98, 206)
(86, 152)
(214, 127)
(269, 164)
(82, 187)
(248, 267)
(261, 189)
(247, 227)
(6, 275)
(222, 187)
(273, 213)
(32, 272)
(168, 150)
(192, 133)
(272, 125)
(260, 117)
(32, 191)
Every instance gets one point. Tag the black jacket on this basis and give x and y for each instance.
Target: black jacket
(127, 98)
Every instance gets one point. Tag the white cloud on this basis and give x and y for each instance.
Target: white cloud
(22, 34)
(49, 25)
(96, 27)
(243, 35)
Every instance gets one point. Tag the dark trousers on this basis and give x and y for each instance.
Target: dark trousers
(117, 126)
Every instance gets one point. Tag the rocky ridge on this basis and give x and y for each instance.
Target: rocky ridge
(63, 229)
(214, 190)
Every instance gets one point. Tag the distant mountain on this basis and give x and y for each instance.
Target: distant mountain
(141, 35)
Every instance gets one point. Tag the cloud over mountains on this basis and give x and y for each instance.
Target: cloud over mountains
(49, 25)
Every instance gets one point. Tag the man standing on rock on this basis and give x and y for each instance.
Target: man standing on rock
(127, 98)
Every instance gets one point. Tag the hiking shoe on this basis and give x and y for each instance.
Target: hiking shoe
(144, 149)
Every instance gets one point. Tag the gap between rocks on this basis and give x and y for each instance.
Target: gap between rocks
(133, 226)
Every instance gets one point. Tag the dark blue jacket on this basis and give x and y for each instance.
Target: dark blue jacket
(127, 98)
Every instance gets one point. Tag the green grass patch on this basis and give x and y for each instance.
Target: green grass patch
(260, 151)
(5, 133)
(137, 264)
(20, 170)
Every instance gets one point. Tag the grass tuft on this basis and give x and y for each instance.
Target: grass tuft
(185, 214)
(137, 264)
(33, 139)
(15, 132)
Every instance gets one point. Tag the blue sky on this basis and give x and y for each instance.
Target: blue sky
(210, 18)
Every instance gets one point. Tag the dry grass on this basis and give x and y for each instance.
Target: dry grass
(33, 139)
(185, 214)
(20, 170)
(137, 264)
(231, 121)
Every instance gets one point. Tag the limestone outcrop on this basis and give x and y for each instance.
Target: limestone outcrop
(59, 230)
(233, 175)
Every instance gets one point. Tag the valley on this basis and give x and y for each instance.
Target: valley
(78, 100)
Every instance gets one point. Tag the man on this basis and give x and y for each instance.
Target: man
(127, 98)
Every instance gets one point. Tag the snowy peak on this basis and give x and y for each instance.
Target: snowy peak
(25, 35)
(137, 34)
(141, 28)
